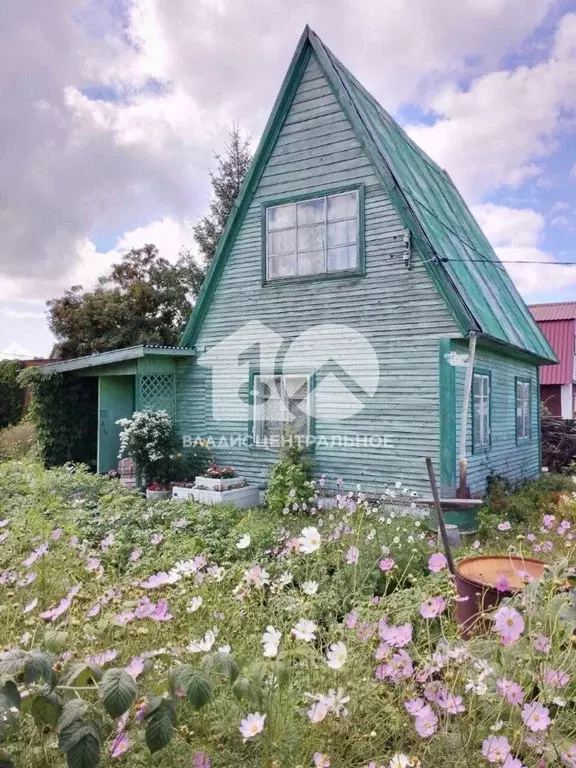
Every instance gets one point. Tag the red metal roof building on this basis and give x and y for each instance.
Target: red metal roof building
(557, 321)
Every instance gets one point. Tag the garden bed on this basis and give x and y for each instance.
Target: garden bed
(214, 636)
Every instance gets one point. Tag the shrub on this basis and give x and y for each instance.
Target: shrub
(148, 437)
(290, 487)
(17, 441)
(11, 394)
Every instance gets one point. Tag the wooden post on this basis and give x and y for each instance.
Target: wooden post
(440, 515)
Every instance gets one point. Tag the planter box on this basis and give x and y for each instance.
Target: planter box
(219, 483)
(157, 495)
(248, 496)
(181, 492)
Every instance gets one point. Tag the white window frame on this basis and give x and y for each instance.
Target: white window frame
(296, 227)
(481, 404)
(523, 409)
(257, 415)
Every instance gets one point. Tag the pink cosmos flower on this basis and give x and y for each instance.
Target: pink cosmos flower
(92, 564)
(124, 618)
(352, 555)
(120, 745)
(541, 643)
(27, 580)
(321, 760)
(398, 636)
(161, 612)
(512, 762)
(426, 724)
(433, 607)
(509, 624)
(399, 667)
(556, 678)
(53, 613)
(36, 555)
(156, 538)
(201, 760)
(502, 583)
(136, 667)
(451, 703)
(94, 611)
(351, 620)
(437, 562)
(415, 707)
(73, 542)
(496, 749)
(365, 632)
(535, 716)
(504, 526)
(56, 534)
(548, 521)
(135, 555)
(386, 564)
(104, 657)
(569, 758)
(512, 692)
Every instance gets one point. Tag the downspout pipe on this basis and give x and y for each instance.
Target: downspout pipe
(463, 491)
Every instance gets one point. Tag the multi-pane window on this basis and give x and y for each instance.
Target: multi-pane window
(312, 237)
(281, 402)
(481, 410)
(522, 410)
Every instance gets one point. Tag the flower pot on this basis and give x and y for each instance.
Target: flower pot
(463, 513)
(157, 495)
(476, 580)
(218, 483)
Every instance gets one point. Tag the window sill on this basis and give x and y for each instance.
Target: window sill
(344, 274)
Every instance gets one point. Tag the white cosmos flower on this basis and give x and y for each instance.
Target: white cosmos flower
(271, 641)
(224, 649)
(195, 603)
(304, 630)
(252, 725)
(309, 540)
(204, 644)
(318, 711)
(336, 655)
(310, 587)
(31, 605)
(400, 761)
(244, 541)
(335, 701)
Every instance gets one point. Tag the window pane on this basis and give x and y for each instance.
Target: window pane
(280, 216)
(282, 266)
(342, 206)
(311, 211)
(311, 263)
(477, 385)
(341, 258)
(281, 242)
(311, 238)
(342, 232)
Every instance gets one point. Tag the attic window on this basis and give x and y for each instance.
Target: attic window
(315, 236)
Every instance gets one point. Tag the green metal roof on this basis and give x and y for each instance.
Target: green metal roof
(115, 356)
(459, 258)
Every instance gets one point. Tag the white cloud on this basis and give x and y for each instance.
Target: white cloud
(515, 235)
(497, 132)
(15, 351)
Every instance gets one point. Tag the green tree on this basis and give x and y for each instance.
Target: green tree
(231, 168)
(143, 300)
(11, 394)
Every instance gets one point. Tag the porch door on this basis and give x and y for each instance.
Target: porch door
(115, 401)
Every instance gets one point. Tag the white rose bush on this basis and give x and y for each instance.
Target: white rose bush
(169, 634)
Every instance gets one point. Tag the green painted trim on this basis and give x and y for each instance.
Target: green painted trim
(360, 269)
(114, 356)
(238, 213)
(522, 380)
(481, 448)
(447, 418)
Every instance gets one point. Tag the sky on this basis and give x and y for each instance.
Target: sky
(111, 111)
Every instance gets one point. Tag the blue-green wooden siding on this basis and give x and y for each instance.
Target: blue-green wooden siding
(398, 310)
(504, 456)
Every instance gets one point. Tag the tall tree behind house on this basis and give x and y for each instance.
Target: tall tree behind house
(226, 179)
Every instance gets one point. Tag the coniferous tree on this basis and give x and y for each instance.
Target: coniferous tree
(226, 179)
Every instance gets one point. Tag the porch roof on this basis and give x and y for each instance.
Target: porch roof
(115, 356)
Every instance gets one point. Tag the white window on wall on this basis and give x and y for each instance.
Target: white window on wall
(280, 403)
(481, 410)
(313, 237)
(523, 403)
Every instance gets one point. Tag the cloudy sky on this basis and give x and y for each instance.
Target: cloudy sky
(111, 110)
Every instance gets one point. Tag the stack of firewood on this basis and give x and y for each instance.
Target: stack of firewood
(558, 442)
